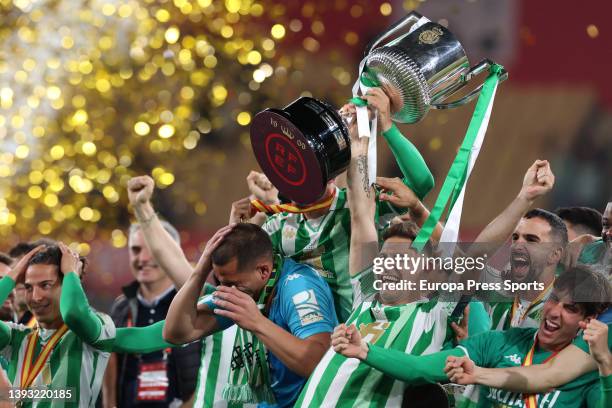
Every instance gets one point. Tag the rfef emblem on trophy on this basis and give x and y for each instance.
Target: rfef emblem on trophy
(305, 144)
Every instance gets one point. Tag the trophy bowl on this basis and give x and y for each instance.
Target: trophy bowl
(301, 147)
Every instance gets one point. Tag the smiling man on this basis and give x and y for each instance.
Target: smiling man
(578, 295)
(145, 301)
(403, 320)
(51, 355)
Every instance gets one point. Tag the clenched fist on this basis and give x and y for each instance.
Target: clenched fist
(539, 180)
(140, 190)
(261, 188)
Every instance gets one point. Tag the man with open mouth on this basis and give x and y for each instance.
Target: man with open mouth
(579, 294)
(403, 320)
(538, 241)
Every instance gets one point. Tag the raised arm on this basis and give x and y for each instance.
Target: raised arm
(74, 306)
(186, 320)
(83, 321)
(166, 252)
(364, 237)
(262, 189)
(538, 181)
(7, 284)
(416, 174)
(597, 336)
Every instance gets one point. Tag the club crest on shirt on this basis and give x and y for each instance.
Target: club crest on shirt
(307, 307)
(289, 232)
(515, 358)
(371, 332)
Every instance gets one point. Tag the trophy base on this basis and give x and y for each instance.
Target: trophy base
(300, 148)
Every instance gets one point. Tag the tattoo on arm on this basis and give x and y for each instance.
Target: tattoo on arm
(362, 169)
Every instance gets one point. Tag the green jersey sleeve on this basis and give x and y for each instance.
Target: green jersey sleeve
(89, 326)
(605, 395)
(6, 286)
(479, 320)
(413, 370)
(599, 394)
(484, 348)
(141, 340)
(363, 287)
(416, 174)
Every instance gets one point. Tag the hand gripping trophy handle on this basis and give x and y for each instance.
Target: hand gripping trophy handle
(404, 25)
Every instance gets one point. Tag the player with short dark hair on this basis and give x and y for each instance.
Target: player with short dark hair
(284, 312)
(563, 313)
(580, 221)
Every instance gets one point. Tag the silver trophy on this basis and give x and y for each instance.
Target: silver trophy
(420, 66)
(305, 144)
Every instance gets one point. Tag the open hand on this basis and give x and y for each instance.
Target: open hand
(238, 306)
(205, 263)
(397, 193)
(18, 271)
(71, 262)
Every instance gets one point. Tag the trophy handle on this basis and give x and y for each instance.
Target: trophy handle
(408, 21)
(482, 66)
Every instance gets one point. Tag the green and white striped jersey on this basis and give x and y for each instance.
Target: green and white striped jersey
(72, 364)
(501, 314)
(323, 243)
(499, 304)
(215, 368)
(338, 381)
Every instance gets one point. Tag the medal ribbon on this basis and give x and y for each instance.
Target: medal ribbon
(534, 303)
(32, 322)
(30, 371)
(260, 206)
(530, 399)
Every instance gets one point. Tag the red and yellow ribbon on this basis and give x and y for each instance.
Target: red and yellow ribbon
(30, 371)
(260, 206)
(32, 322)
(530, 399)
